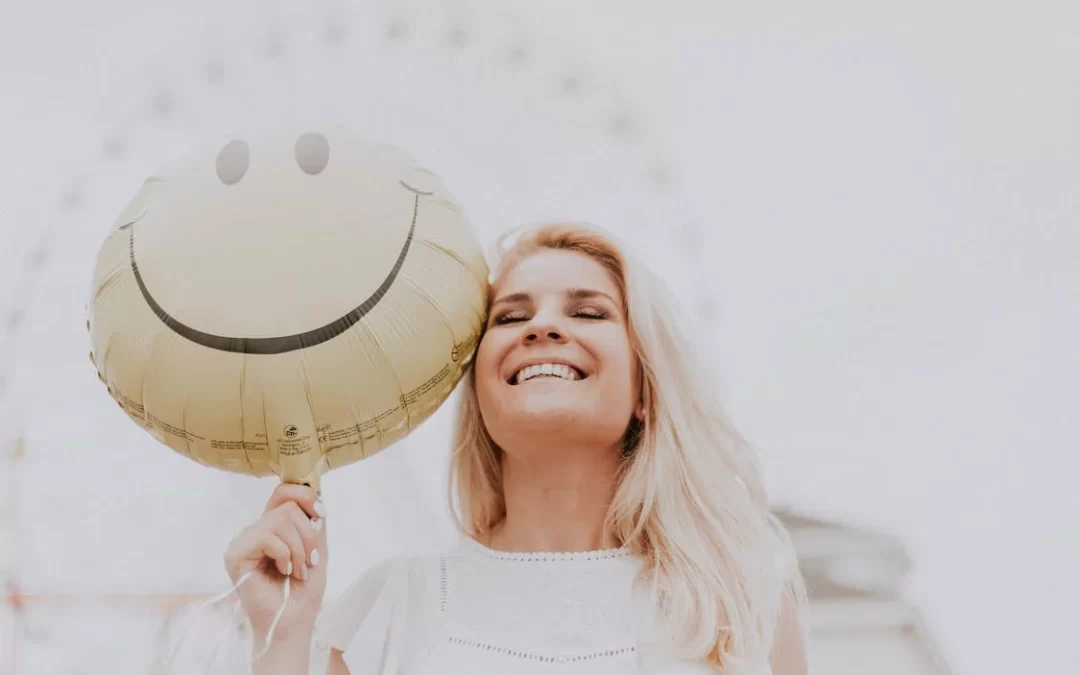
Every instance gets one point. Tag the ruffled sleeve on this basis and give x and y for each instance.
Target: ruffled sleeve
(366, 622)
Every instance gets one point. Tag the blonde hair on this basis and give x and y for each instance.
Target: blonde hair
(690, 499)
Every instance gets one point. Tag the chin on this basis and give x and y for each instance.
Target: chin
(554, 423)
(542, 415)
(551, 413)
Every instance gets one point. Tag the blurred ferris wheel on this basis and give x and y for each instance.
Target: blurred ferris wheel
(521, 128)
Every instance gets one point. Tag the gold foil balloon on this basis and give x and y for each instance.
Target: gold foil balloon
(287, 303)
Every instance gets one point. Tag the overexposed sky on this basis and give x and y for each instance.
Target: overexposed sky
(887, 208)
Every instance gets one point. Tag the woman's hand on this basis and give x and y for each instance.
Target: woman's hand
(288, 540)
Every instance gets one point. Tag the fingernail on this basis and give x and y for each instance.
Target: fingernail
(288, 569)
(303, 573)
(317, 524)
(320, 509)
(315, 558)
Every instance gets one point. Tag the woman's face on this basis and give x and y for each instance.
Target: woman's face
(556, 362)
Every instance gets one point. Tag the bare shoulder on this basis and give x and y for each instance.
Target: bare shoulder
(789, 644)
(337, 663)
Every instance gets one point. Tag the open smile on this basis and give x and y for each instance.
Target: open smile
(547, 370)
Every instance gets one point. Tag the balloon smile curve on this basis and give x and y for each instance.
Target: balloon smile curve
(284, 343)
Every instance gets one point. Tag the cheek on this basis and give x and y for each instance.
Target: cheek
(621, 360)
(629, 381)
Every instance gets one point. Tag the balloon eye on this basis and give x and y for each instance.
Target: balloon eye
(233, 161)
(312, 153)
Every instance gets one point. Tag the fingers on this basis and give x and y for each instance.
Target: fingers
(286, 535)
(286, 530)
(280, 552)
(306, 532)
(302, 495)
(254, 545)
(307, 529)
(291, 534)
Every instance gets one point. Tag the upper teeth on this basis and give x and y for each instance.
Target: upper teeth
(552, 369)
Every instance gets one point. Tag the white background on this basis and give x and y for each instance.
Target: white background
(892, 199)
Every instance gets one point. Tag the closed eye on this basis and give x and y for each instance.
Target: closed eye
(590, 313)
(510, 317)
(516, 316)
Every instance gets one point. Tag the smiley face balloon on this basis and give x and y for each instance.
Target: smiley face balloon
(287, 303)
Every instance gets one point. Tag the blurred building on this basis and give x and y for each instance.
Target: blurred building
(860, 622)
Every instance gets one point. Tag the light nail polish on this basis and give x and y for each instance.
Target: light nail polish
(315, 558)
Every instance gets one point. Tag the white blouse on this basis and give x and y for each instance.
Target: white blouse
(477, 611)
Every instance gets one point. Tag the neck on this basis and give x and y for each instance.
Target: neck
(557, 501)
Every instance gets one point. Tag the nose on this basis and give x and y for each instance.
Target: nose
(540, 332)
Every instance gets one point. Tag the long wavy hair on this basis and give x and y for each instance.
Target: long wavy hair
(690, 499)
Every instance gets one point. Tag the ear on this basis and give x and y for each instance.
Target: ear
(644, 398)
(642, 403)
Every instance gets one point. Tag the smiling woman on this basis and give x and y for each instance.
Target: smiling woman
(560, 311)
(612, 519)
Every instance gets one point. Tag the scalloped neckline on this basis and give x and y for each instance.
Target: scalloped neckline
(544, 556)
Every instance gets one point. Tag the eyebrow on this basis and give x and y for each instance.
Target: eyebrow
(587, 293)
(574, 293)
(512, 297)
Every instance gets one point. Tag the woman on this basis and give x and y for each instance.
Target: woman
(613, 520)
